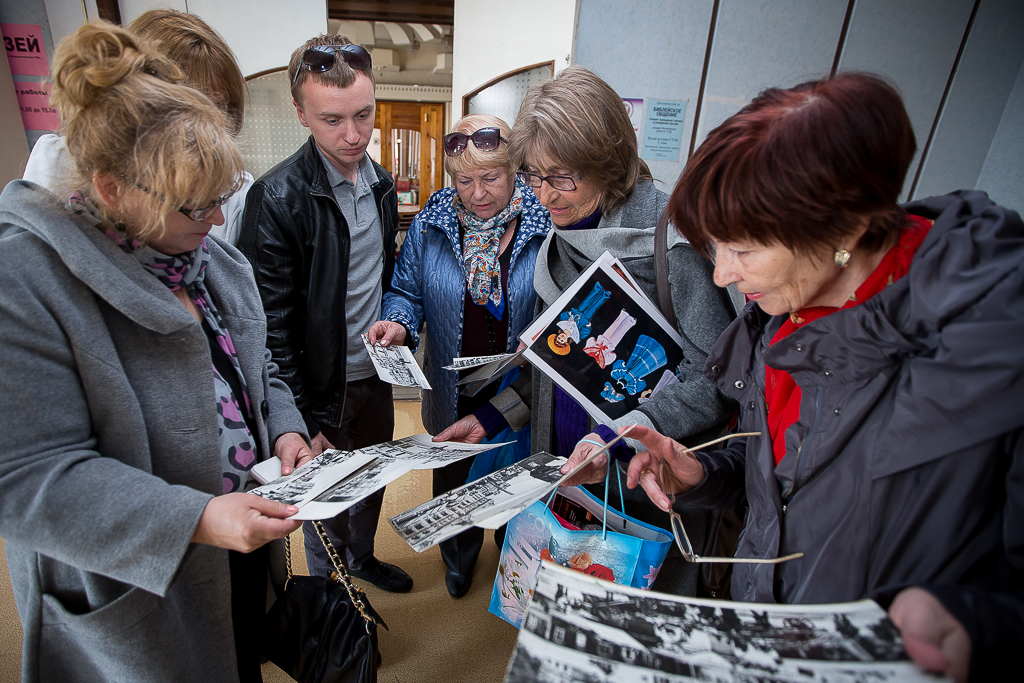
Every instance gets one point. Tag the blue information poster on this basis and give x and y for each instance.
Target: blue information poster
(663, 135)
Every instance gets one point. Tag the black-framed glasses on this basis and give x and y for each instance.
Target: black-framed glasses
(322, 58)
(562, 183)
(683, 541)
(197, 214)
(485, 140)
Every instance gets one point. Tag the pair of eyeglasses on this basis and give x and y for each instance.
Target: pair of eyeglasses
(197, 214)
(679, 531)
(485, 140)
(322, 58)
(563, 183)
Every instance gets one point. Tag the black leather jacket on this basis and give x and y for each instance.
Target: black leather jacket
(297, 240)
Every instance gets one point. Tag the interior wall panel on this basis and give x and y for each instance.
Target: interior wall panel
(978, 95)
(1002, 176)
(914, 43)
(763, 44)
(657, 53)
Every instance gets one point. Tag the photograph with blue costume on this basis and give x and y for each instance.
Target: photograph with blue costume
(626, 362)
(575, 323)
(465, 273)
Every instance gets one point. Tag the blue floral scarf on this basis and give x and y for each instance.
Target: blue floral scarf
(480, 252)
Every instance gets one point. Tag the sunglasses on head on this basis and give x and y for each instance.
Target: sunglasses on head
(322, 59)
(485, 140)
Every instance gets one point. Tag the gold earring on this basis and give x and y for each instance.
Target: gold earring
(842, 258)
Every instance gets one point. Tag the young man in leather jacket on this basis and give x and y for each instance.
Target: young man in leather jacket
(319, 230)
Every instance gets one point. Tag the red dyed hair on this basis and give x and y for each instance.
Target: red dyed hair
(801, 168)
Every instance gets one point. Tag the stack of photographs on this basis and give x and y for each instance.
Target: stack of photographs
(488, 502)
(580, 628)
(334, 481)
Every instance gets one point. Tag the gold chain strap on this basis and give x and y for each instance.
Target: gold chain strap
(288, 556)
(341, 573)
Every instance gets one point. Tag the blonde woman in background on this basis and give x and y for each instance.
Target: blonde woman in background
(466, 273)
(137, 391)
(208, 65)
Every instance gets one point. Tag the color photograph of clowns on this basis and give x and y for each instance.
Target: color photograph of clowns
(604, 343)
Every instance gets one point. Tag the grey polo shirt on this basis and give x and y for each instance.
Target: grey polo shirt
(366, 259)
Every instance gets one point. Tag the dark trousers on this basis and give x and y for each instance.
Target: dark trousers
(459, 552)
(248, 608)
(368, 419)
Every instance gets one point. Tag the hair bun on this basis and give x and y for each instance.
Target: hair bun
(98, 56)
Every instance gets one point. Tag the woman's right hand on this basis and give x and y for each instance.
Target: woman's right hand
(466, 430)
(645, 466)
(244, 522)
(592, 473)
(386, 333)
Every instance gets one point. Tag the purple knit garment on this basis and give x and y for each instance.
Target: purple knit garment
(571, 423)
(590, 221)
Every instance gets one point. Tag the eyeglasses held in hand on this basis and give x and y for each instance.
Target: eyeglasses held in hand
(679, 531)
(196, 214)
(322, 58)
(485, 140)
(563, 183)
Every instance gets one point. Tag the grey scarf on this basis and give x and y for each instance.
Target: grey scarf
(567, 253)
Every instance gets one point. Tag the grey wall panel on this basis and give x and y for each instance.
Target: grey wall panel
(913, 42)
(764, 44)
(977, 97)
(1002, 175)
(653, 50)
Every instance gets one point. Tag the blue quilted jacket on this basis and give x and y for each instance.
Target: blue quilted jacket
(429, 287)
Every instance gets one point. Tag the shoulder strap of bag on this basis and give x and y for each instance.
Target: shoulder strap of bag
(661, 269)
(340, 573)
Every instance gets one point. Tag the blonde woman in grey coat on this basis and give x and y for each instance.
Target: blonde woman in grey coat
(136, 392)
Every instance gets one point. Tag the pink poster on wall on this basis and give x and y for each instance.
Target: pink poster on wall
(34, 100)
(25, 49)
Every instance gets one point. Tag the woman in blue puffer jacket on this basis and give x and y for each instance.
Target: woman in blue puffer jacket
(465, 271)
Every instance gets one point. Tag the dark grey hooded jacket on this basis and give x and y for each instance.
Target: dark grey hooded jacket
(906, 466)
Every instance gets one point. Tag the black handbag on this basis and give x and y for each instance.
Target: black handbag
(323, 630)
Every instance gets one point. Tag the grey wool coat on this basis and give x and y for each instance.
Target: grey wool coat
(109, 450)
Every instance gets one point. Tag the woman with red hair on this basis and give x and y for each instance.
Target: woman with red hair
(880, 359)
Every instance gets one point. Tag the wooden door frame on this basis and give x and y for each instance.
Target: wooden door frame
(431, 125)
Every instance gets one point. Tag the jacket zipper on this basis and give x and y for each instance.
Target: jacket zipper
(800, 448)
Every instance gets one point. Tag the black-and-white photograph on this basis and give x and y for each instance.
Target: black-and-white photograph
(424, 453)
(473, 382)
(307, 482)
(516, 486)
(579, 628)
(396, 365)
(476, 361)
(336, 480)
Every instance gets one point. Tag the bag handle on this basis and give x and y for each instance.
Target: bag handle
(661, 269)
(339, 575)
(622, 501)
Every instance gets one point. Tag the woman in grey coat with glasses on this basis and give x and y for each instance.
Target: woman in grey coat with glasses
(137, 392)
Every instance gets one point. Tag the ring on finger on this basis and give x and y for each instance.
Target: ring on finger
(645, 471)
